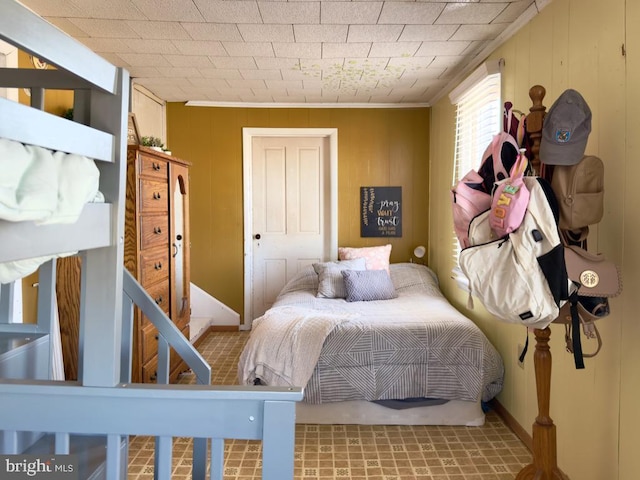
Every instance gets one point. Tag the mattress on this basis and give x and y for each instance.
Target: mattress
(416, 345)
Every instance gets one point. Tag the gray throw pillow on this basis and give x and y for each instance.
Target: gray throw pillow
(368, 285)
(330, 282)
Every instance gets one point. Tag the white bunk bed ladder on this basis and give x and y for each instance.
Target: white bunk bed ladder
(203, 412)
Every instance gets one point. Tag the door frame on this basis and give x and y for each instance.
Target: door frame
(331, 204)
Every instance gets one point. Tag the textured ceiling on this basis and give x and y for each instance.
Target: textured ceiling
(295, 52)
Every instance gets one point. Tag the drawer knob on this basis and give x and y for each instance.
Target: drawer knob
(157, 230)
(159, 301)
(157, 265)
(154, 377)
(156, 166)
(156, 196)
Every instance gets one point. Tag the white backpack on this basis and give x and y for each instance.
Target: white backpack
(520, 278)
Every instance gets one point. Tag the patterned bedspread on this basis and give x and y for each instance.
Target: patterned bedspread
(417, 345)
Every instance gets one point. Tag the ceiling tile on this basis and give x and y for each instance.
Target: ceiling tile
(143, 72)
(229, 11)
(297, 50)
(261, 74)
(209, 82)
(290, 12)
(233, 62)
(219, 73)
(266, 33)
(424, 33)
(284, 83)
(350, 12)
(178, 72)
(159, 30)
(320, 33)
(113, 9)
(277, 63)
(399, 49)
(110, 45)
(169, 10)
(470, 13)
(137, 45)
(374, 33)
(249, 49)
(410, 13)
(513, 11)
(252, 84)
(144, 59)
(68, 27)
(342, 50)
(477, 32)
(301, 73)
(53, 8)
(428, 49)
(210, 31)
(197, 61)
(189, 47)
(105, 28)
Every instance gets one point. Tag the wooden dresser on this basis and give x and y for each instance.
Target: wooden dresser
(156, 249)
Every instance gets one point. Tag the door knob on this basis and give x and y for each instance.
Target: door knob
(257, 236)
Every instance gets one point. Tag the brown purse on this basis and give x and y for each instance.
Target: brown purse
(596, 279)
(595, 275)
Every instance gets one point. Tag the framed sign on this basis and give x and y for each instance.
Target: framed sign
(381, 209)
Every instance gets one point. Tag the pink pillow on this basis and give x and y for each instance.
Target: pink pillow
(376, 258)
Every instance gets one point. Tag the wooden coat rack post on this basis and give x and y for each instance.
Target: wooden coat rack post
(545, 463)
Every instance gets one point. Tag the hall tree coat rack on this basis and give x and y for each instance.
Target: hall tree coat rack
(545, 461)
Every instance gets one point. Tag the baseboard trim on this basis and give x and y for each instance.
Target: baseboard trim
(513, 424)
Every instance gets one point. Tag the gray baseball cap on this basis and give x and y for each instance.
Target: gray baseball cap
(566, 130)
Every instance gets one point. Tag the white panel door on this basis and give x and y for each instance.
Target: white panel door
(290, 183)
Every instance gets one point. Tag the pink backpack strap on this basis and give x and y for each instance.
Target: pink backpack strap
(496, 153)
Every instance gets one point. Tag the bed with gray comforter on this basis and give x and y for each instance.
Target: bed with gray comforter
(414, 346)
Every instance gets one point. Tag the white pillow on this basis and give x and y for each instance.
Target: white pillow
(330, 281)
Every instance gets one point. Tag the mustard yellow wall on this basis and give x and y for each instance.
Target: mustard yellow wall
(572, 44)
(379, 147)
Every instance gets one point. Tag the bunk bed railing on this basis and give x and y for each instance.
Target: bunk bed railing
(164, 411)
(168, 336)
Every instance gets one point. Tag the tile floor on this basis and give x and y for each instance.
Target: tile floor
(356, 452)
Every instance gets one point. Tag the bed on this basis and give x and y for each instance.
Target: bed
(413, 359)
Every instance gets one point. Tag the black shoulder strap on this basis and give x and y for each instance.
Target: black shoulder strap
(575, 334)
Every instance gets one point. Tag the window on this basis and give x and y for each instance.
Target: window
(478, 119)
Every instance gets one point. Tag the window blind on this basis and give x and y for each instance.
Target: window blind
(478, 119)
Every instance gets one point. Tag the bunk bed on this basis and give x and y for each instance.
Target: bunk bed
(47, 416)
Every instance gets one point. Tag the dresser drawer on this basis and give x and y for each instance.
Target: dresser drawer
(154, 231)
(160, 294)
(150, 371)
(154, 196)
(154, 266)
(153, 167)
(149, 342)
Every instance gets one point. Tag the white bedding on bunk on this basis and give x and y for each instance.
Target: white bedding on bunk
(45, 187)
